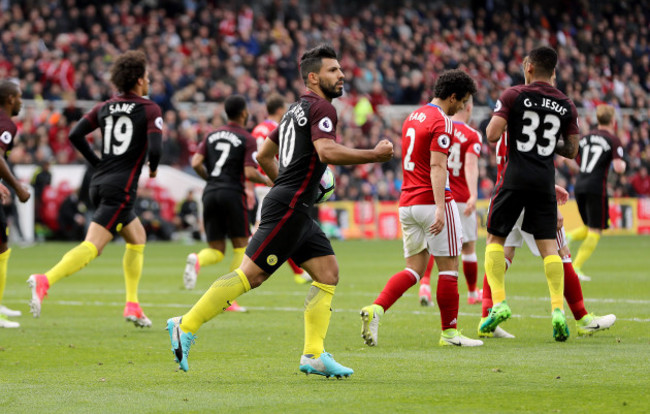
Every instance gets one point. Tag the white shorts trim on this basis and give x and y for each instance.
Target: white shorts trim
(415, 222)
(469, 224)
(517, 237)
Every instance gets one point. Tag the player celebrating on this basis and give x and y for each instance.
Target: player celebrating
(598, 149)
(464, 153)
(275, 108)
(223, 159)
(305, 143)
(427, 211)
(10, 104)
(535, 115)
(131, 127)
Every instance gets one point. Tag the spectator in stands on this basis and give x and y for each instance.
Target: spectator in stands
(640, 182)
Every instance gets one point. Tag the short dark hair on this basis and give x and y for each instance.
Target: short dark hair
(234, 106)
(312, 60)
(7, 88)
(454, 81)
(273, 103)
(127, 69)
(544, 59)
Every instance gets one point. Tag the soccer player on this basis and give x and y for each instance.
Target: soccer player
(305, 143)
(599, 149)
(224, 159)
(535, 115)
(427, 211)
(462, 164)
(10, 104)
(275, 107)
(131, 128)
(587, 323)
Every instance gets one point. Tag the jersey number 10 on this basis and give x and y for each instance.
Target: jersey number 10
(117, 135)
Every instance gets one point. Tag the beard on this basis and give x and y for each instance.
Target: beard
(330, 90)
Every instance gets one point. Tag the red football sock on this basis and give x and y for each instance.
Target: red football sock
(487, 298)
(426, 279)
(573, 290)
(297, 270)
(470, 270)
(447, 297)
(395, 287)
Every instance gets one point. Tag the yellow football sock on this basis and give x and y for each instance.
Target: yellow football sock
(555, 277)
(495, 269)
(317, 317)
(579, 234)
(73, 261)
(4, 259)
(586, 249)
(213, 302)
(209, 257)
(132, 264)
(238, 256)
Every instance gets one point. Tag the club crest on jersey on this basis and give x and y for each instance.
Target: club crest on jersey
(272, 260)
(6, 137)
(444, 141)
(326, 125)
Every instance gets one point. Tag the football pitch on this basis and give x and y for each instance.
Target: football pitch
(81, 356)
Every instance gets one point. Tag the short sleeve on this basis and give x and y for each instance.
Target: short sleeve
(154, 119)
(617, 149)
(505, 102)
(273, 136)
(251, 150)
(475, 144)
(573, 127)
(441, 136)
(7, 134)
(323, 120)
(201, 148)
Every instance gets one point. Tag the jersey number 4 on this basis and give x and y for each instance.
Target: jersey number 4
(117, 135)
(551, 125)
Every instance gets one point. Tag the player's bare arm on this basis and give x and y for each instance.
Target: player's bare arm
(253, 175)
(495, 128)
(8, 177)
(266, 159)
(561, 195)
(619, 166)
(568, 147)
(438, 181)
(471, 176)
(330, 152)
(197, 165)
(5, 194)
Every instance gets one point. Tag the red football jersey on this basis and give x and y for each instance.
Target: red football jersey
(466, 139)
(260, 133)
(427, 129)
(502, 154)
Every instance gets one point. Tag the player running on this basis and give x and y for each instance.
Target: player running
(131, 128)
(10, 104)
(224, 159)
(599, 149)
(305, 144)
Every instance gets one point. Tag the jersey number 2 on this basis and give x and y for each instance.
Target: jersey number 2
(117, 135)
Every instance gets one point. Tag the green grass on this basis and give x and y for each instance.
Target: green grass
(81, 356)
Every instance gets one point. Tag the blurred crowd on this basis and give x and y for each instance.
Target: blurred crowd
(202, 51)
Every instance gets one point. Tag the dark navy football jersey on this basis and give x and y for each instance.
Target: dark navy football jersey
(7, 132)
(124, 121)
(538, 116)
(597, 150)
(227, 150)
(307, 120)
